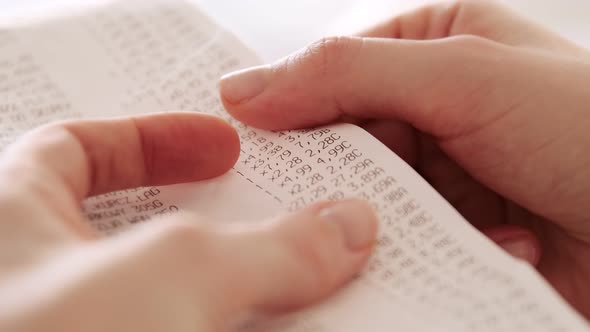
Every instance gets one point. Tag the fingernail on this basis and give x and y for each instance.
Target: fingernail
(520, 248)
(245, 84)
(356, 220)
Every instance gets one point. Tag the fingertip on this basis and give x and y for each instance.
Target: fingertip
(264, 111)
(229, 142)
(519, 242)
(243, 85)
(328, 244)
(184, 147)
(240, 93)
(287, 263)
(222, 145)
(357, 222)
(285, 95)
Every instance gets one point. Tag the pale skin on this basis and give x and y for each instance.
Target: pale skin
(488, 107)
(180, 273)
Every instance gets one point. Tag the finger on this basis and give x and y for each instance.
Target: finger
(84, 158)
(517, 241)
(376, 78)
(295, 261)
(467, 97)
(200, 277)
(487, 19)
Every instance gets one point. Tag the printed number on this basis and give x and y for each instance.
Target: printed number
(294, 162)
(407, 208)
(266, 147)
(305, 169)
(319, 133)
(319, 192)
(296, 189)
(336, 196)
(275, 150)
(326, 142)
(286, 154)
(314, 179)
(361, 166)
(338, 149)
(372, 175)
(276, 175)
(297, 204)
(337, 181)
(248, 136)
(350, 157)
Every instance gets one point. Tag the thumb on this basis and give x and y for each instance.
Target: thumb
(287, 263)
(436, 85)
(174, 275)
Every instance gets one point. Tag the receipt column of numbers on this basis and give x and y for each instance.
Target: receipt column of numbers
(416, 259)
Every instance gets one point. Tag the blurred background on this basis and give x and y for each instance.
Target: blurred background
(276, 27)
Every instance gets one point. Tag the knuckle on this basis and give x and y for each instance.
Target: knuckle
(330, 55)
(482, 63)
(470, 7)
(470, 43)
(183, 246)
(172, 249)
(180, 239)
(177, 232)
(475, 50)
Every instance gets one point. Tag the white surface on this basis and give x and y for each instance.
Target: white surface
(274, 27)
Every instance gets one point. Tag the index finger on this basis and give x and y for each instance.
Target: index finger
(96, 156)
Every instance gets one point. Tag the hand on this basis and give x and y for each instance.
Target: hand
(491, 109)
(168, 275)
